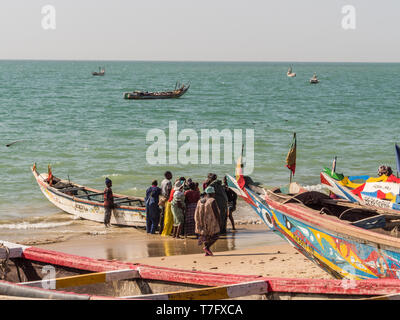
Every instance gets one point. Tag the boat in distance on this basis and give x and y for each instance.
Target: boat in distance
(142, 95)
(88, 203)
(37, 273)
(347, 240)
(314, 79)
(101, 72)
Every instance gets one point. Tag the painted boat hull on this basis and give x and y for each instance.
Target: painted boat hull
(83, 278)
(342, 250)
(90, 210)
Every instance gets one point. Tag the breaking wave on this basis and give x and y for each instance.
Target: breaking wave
(45, 222)
(40, 225)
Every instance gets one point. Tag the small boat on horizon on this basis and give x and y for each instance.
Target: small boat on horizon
(139, 95)
(73, 277)
(88, 203)
(101, 72)
(290, 73)
(314, 79)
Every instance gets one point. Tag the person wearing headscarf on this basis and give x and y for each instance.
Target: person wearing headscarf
(152, 209)
(168, 216)
(207, 220)
(220, 197)
(166, 187)
(192, 196)
(108, 202)
(387, 172)
(178, 209)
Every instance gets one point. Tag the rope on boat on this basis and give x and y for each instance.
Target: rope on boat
(4, 268)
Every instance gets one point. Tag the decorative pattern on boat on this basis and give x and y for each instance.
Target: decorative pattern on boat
(373, 191)
(339, 255)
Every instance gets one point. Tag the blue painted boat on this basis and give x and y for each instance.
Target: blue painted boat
(347, 240)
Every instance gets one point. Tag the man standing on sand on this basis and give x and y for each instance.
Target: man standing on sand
(207, 220)
(152, 208)
(108, 203)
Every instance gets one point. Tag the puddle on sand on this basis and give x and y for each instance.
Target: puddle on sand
(135, 243)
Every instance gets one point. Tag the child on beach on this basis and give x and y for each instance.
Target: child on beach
(108, 202)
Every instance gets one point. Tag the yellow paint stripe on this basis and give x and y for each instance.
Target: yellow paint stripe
(317, 255)
(80, 280)
(200, 294)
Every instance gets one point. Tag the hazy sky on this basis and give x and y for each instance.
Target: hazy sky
(227, 30)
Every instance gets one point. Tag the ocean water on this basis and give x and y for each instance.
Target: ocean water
(83, 127)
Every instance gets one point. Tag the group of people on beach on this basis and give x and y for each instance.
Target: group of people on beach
(179, 209)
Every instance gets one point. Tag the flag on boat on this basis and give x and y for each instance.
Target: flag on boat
(50, 175)
(334, 165)
(291, 156)
(239, 171)
(397, 156)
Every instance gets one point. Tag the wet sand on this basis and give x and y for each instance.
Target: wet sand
(250, 250)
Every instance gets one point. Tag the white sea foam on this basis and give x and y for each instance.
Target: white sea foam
(316, 187)
(40, 225)
(111, 175)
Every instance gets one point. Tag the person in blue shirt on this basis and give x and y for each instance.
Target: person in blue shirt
(152, 208)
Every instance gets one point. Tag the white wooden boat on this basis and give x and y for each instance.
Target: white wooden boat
(88, 203)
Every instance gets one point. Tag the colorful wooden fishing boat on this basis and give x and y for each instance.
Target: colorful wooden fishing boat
(345, 239)
(31, 272)
(366, 190)
(138, 95)
(88, 203)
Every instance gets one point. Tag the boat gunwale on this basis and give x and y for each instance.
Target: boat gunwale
(331, 224)
(57, 192)
(371, 287)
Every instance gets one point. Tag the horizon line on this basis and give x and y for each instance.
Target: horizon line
(201, 61)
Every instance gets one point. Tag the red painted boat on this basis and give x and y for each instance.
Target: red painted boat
(31, 272)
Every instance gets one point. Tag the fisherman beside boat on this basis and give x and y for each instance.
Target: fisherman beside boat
(108, 202)
(152, 208)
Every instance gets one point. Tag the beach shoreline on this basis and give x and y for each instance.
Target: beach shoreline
(250, 250)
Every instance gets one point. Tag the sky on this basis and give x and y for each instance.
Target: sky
(202, 30)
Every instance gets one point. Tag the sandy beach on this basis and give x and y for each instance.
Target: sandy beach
(250, 250)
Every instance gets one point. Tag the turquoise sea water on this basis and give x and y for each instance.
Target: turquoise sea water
(83, 127)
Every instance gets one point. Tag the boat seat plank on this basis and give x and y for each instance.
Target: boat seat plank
(213, 293)
(71, 189)
(86, 279)
(89, 195)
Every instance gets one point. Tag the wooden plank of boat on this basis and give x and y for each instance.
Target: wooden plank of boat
(90, 195)
(214, 293)
(85, 279)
